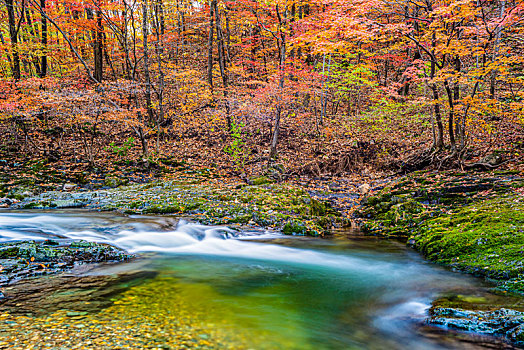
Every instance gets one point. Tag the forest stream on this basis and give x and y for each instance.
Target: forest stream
(197, 286)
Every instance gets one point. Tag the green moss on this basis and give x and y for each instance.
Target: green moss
(262, 180)
(471, 223)
(31, 205)
(83, 244)
(169, 209)
(296, 228)
(317, 208)
(113, 181)
(136, 205)
(514, 285)
(9, 252)
(486, 238)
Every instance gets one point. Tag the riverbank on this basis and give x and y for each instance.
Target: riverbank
(470, 222)
(288, 207)
(261, 202)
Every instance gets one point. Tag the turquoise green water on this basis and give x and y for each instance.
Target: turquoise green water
(375, 301)
(220, 288)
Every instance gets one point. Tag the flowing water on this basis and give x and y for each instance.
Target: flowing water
(262, 290)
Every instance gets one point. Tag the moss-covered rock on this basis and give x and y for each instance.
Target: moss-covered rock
(513, 285)
(270, 205)
(29, 258)
(504, 323)
(114, 181)
(473, 224)
(295, 229)
(485, 238)
(261, 180)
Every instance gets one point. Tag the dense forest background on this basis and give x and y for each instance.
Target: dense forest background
(319, 87)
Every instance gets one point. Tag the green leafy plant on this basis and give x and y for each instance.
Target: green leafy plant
(122, 151)
(237, 148)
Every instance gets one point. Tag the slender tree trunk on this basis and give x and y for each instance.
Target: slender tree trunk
(99, 46)
(43, 58)
(323, 99)
(222, 61)
(456, 97)
(322, 88)
(493, 79)
(107, 57)
(14, 38)
(143, 139)
(450, 115)
(282, 53)
(159, 48)
(210, 47)
(386, 67)
(9, 60)
(436, 109)
(438, 117)
(33, 33)
(228, 40)
(147, 77)
(276, 132)
(178, 29)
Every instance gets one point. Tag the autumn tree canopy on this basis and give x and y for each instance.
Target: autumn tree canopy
(320, 85)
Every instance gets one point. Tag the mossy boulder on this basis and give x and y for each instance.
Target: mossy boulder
(29, 258)
(296, 229)
(485, 238)
(114, 181)
(473, 224)
(513, 285)
(261, 180)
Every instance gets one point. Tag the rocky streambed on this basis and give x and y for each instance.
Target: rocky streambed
(199, 286)
(465, 222)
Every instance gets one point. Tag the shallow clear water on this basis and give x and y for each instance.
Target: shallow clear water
(271, 291)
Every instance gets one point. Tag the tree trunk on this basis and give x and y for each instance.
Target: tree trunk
(282, 53)
(493, 79)
(456, 97)
(222, 61)
(276, 131)
(450, 115)
(14, 38)
(147, 77)
(210, 48)
(438, 118)
(99, 46)
(33, 33)
(159, 48)
(43, 59)
(323, 99)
